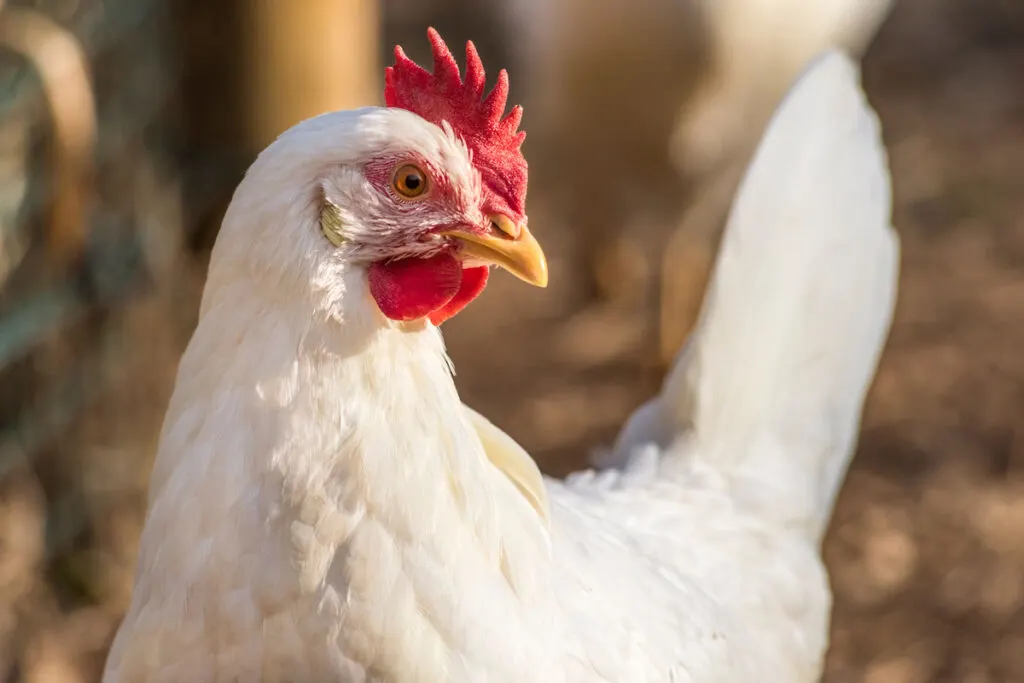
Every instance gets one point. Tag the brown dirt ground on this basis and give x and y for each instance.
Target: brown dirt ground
(927, 546)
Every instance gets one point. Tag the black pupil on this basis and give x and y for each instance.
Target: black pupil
(412, 181)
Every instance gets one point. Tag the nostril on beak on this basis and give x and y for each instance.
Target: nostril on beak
(505, 225)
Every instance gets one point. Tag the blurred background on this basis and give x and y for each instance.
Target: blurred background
(126, 124)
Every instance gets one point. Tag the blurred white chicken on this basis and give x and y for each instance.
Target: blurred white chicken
(640, 104)
(324, 507)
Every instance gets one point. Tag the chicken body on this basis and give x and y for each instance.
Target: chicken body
(323, 509)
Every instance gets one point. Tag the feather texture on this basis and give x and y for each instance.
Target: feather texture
(324, 507)
(509, 457)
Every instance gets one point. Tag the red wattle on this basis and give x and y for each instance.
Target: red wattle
(437, 287)
(412, 288)
(473, 282)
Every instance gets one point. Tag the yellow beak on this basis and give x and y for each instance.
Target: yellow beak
(507, 245)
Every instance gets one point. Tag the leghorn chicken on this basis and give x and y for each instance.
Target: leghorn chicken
(323, 507)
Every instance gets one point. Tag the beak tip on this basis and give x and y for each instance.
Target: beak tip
(537, 273)
(542, 279)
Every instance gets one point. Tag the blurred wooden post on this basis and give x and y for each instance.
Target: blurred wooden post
(306, 57)
(253, 68)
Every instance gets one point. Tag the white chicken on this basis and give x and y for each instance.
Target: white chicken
(323, 507)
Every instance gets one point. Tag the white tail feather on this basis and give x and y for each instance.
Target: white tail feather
(769, 388)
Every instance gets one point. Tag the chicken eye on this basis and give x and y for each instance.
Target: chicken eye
(409, 181)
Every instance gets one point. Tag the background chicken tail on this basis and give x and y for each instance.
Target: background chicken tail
(770, 386)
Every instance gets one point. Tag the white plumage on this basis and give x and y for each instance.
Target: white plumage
(323, 507)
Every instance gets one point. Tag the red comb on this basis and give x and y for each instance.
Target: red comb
(444, 96)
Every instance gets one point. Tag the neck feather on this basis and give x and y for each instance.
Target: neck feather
(337, 456)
